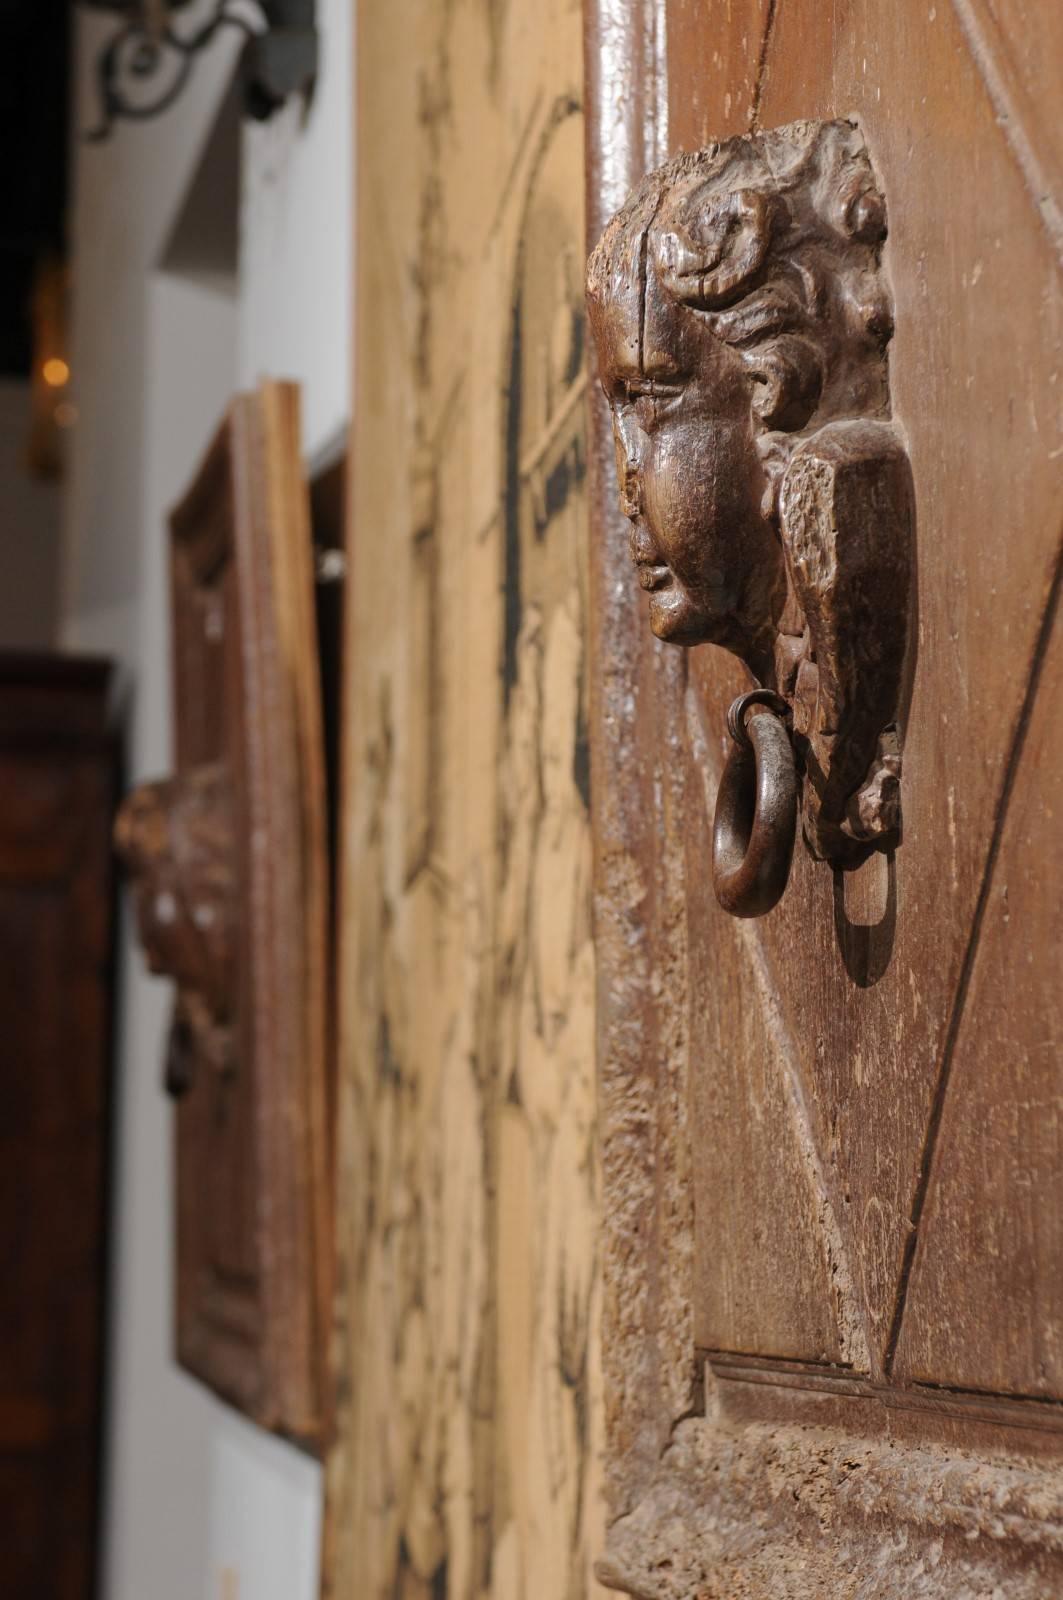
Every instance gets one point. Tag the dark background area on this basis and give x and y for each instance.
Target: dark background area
(34, 72)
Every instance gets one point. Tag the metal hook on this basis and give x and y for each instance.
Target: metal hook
(756, 809)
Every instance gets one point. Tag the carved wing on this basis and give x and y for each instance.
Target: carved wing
(847, 515)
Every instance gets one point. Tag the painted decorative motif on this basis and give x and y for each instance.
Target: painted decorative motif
(469, 1437)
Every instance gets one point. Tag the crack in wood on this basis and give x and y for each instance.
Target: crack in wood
(1013, 110)
(933, 1129)
(762, 66)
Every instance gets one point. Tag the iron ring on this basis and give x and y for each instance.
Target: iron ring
(756, 809)
(736, 714)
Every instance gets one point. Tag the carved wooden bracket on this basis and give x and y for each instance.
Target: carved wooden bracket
(742, 318)
(177, 840)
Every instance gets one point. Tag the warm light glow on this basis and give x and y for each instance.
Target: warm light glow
(55, 372)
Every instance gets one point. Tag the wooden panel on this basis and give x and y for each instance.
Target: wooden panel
(638, 794)
(772, 1274)
(717, 53)
(870, 1037)
(867, 990)
(1018, 46)
(985, 1306)
(466, 1460)
(230, 862)
(285, 871)
(58, 774)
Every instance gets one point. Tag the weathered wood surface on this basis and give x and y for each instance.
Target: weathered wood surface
(869, 1028)
(650, 1371)
(874, 1068)
(985, 1303)
(229, 860)
(466, 1461)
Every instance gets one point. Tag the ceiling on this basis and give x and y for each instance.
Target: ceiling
(34, 50)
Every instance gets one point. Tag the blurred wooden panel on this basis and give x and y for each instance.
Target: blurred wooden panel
(230, 864)
(467, 1453)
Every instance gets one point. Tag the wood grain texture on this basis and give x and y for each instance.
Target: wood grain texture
(718, 52)
(1017, 46)
(283, 821)
(878, 1006)
(871, 1050)
(985, 1304)
(651, 1374)
(466, 1461)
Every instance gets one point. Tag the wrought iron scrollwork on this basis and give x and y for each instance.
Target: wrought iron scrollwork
(146, 64)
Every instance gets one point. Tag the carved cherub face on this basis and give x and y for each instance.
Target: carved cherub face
(176, 839)
(735, 301)
(690, 476)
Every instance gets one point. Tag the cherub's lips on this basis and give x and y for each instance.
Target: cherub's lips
(654, 575)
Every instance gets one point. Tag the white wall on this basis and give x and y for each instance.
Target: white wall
(296, 293)
(199, 1503)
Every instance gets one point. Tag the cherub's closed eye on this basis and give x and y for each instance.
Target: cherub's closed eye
(648, 400)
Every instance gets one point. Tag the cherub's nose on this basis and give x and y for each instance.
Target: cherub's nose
(644, 551)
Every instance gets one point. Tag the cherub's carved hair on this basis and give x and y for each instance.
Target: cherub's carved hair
(774, 240)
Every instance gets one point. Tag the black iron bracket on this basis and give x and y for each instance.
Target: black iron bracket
(144, 66)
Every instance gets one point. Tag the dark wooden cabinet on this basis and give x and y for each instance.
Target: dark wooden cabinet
(58, 778)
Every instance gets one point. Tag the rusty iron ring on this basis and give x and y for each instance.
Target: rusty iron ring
(736, 713)
(756, 809)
